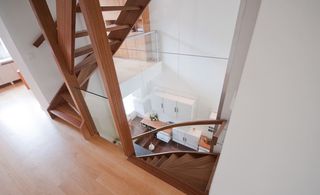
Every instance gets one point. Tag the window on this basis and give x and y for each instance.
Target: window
(4, 54)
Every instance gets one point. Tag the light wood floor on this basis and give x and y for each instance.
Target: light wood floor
(41, 156)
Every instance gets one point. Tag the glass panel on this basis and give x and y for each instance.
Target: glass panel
(164, 87)
(140, 46)
(138, 63)
(99, 108)
(175, 73)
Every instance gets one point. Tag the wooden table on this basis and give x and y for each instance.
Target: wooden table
(155, 125)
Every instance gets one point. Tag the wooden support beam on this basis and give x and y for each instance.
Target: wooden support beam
(93, 17)
(66, 24)
(47, 24)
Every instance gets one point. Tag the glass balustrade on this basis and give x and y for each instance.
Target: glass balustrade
(99, 108)
(159, 88)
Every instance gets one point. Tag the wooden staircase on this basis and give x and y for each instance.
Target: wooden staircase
(190, 172)
(64, 105)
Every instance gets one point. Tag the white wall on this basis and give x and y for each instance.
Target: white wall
(19, 30)
(195, 27)
(22, 66)
(272, 144)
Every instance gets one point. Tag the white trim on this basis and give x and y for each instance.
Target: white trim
(245, 25)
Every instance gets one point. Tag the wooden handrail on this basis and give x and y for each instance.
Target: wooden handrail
(189, 123)
(179, 152)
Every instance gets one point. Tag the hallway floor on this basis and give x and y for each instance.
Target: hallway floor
(42, 156)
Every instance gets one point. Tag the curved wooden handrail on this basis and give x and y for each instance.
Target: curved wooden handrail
(178, 152)
(189, 123)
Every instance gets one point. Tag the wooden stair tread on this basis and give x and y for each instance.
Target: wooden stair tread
(86, 73)
(171, 159)
(83, 50)
(198, 172)
(149, 159)
(115, 27)
(154, 161)
(161, 160)
(116, 8)
(109, 28)
(194, 175)
(66, 96)
(189, 178)
(183, 159)
(90, 59)
(196, 183)
(67, 113)
(88, 48)
(192, 163)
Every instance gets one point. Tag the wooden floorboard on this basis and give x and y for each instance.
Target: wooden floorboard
(42, 156)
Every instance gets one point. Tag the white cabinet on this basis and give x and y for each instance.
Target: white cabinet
(184, 111)
(8, 73)
(157, 104)
(171, 107)
(186, 136)
(141, 106)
